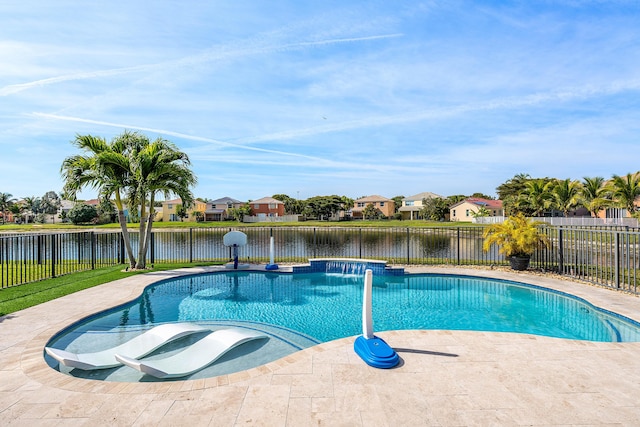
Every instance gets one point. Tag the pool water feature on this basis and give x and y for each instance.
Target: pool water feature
(348, 266)
(300, 310)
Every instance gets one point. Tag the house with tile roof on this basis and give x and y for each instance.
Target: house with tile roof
(218, 210)
(465, 209)
(267, 207)
(412, 205)
(169, 212)
(383, 204)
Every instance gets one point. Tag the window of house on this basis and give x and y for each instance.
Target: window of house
(454, 212)
(467, 212)
(256, 206)
(409, 203)
(361, 204)
(229, 205)
(272, 205)
(170, 206)
(381, 204)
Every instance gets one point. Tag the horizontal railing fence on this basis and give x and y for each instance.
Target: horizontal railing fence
(607, 257)
(30, 257)
(578, 221)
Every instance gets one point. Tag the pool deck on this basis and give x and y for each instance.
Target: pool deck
(445, 378)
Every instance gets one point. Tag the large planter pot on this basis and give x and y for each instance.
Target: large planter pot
(519, 262)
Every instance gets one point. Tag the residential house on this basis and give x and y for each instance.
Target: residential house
(411, 206)
(218, 210)
(384, 205)
(9, 218)
(267, 207)
(464, 210)
(617, 212)
(65, 207)
(169, 212)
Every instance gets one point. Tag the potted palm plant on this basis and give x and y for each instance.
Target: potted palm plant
(517, 238)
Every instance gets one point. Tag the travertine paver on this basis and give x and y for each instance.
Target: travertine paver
(445, 378)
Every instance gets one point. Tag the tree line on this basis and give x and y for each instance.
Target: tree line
(544, 196)
(30, 209)
(131, 170)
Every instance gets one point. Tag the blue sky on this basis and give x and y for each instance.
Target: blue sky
(335, 97)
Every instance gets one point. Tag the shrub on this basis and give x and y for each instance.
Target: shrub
(82, 213)
(516, 236)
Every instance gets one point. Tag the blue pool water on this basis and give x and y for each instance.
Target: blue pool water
(301, 310)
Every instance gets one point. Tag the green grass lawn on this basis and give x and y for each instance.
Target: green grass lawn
(23, 296)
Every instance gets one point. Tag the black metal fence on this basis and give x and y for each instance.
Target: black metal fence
(607, 257)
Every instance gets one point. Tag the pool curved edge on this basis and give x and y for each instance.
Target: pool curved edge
(609, 300)
(67, 310)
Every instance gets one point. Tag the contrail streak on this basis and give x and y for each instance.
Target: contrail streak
(176, 134)
(189, 60)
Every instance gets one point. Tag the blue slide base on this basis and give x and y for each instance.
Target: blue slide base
(376, 352)
(271, 267)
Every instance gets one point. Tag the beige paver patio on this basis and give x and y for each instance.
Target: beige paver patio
(445, 378)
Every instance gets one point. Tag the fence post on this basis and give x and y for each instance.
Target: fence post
(121, 251)
(408, 247)
(53, 255)
(39, 248)
(80, 245)
(360, 243)
(2, 269)
(92, 235)
(458, 245)
(561, 251)
(617, 259)
(190, 245)
(153, 248)
(315, 243)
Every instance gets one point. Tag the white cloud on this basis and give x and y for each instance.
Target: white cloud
(355, 97)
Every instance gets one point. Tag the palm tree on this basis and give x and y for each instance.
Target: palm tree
(6, 200)
(625, 190)
(536, 196)
(31, 205)
(565, 195)
(509, 192)
(594, 194)
(16, 209)
(347, 203)
(132, 168)
(158, 167)
(481, 212)
(106, 168)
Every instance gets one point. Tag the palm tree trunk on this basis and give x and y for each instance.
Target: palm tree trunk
(142, 247)
(125, 236)
(147, 239)
(125, 231)
(142, 244)
(147, 236)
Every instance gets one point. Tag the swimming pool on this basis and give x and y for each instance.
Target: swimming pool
(300, 310)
